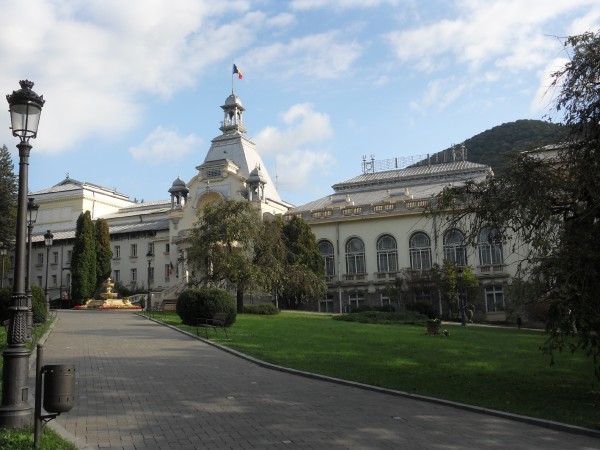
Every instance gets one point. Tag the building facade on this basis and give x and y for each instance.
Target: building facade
(369, 230)
(374, 229)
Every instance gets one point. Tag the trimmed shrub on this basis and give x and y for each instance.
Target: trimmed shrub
(266, 309)
(408, 318)
(38, 304)
(205, 302)
(423, 308)
(364, 308)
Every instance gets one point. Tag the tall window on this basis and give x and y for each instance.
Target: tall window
(167, 248)
(385, 299)
(326, 250)
(356, 299)
(494, 298)
(117, 251)
(326, 304)
(40, 259)
(117, 275)
(69, 256)
(133, 275)
(355, 256)
(387, 254)
(54, 257)
(420, 251)
(54, 280)
(133, 250)
(151, 248)
(167, 272)
(490, 249)
(454, 248)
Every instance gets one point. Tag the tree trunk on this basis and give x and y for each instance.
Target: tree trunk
(240, 300)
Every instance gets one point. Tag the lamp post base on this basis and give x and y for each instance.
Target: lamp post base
(16, 416)
(15, 411)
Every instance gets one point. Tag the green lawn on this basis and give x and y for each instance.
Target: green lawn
(496, 368)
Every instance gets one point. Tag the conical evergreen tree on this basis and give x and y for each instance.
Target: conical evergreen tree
(103, 251)
(8, 198)
(83, 262)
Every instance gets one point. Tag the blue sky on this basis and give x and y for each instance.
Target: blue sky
(133, 88)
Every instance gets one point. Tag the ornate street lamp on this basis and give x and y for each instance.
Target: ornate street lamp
(149, 256)
(32, 213)
(3, 255)
(48, 237)
(15, 412)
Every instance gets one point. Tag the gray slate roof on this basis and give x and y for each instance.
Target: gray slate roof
(403, 184)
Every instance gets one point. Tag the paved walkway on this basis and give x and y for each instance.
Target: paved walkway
(141, 385)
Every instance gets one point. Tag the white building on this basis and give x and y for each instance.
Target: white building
(369, 229)
(373, 226)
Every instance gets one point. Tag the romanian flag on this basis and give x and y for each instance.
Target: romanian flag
(236, 70)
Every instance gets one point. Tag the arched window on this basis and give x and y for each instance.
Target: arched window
(387, 254)
(454, 248)
(326, 250)
(490, 248)
(355, 256)
(420, 251)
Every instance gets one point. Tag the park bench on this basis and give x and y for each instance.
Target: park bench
(219, 320)
(165, 305)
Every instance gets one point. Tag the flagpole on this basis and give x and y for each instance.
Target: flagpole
(232, 74)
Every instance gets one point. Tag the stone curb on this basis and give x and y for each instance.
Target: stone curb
(558, 426)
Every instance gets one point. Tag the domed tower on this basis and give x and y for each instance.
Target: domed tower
(179, 193)
(256, 185)
(233, 121)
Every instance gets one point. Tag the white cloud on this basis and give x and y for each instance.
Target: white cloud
(544, 96)
(97, 61)
(164, 145)
(300, 146)
(304, 126)
(324, 55)
(439, 94)
(302, 5)
(488, 42)
(300, 168)
(509, 33)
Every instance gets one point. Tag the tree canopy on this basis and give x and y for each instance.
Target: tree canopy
(546, 207)
(221, 245)
(230, 244)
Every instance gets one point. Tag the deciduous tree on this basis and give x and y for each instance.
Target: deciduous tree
(220, 248)
(546, 207)
(305, 272)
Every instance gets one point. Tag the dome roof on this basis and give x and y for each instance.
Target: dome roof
(256, 176)
(233, 100)
(179, 187)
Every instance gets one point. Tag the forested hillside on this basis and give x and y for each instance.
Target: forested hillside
(493, 146)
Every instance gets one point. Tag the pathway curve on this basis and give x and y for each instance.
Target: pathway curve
(141, 385)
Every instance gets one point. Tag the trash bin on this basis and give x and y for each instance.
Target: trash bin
(59, 388)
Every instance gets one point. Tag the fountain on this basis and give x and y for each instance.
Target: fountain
(108, 299)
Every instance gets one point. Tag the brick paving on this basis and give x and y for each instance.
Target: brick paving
(141, 385)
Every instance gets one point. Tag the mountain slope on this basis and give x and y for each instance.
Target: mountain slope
(493, 147)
